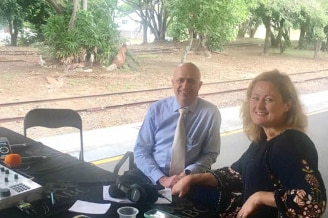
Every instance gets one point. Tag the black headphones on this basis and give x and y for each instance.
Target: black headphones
(135, 188)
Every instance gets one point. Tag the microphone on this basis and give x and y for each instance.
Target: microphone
(15, 160)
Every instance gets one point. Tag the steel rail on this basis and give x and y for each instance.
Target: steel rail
(104, 108)
(138, 91)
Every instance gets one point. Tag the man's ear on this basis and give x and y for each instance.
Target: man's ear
(200, 84)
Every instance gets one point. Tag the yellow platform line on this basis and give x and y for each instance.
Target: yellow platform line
(107, 160)
(231, 132)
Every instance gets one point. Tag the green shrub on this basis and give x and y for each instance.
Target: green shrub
(98, 36)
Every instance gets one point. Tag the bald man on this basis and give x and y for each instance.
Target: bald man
(152, 151)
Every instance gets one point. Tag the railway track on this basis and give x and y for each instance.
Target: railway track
(135, 51)
(131, 50)
(102, 102)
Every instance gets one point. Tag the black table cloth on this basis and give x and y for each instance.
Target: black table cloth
(70, 179)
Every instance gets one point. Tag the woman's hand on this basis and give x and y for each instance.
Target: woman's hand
(255, 200)
(182, 187)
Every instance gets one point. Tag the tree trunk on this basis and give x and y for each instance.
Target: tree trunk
(154, 14)
(242, 29)
(280, 34)
(145, 32)
(317, 48)
(301, 38)
(253, 28)
(85, 5)
(202, 48)
(164, 26)
(11, 31)
(267, 23)
(76, 9)
(153, 24)
(274, 41)
(188, 47)
(13, 39)
(14, 26)
(58, 7)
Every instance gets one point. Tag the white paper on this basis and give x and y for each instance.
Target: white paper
(89, 207)
(165, 192)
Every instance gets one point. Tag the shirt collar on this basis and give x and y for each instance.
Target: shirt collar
(192, 107)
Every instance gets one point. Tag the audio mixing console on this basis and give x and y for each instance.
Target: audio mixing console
(15, 187)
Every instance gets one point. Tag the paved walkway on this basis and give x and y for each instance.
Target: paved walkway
(116, 140)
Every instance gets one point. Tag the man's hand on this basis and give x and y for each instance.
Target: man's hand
(169, 182)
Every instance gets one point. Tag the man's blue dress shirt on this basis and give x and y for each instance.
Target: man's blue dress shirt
(153, 146)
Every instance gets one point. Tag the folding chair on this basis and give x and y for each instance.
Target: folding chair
(54, 118)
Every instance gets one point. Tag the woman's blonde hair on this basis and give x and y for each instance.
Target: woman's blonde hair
(295, 118)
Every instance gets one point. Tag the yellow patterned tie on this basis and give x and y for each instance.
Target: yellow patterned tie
(178, 154)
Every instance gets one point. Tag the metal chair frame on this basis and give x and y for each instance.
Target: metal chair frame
(55, 118)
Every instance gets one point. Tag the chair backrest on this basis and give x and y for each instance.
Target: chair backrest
(54, 118)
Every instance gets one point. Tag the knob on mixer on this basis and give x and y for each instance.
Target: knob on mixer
(4, 192)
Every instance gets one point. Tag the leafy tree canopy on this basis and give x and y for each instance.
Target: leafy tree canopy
(217, 19)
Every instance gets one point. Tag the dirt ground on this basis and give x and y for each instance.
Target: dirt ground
(22, 78)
